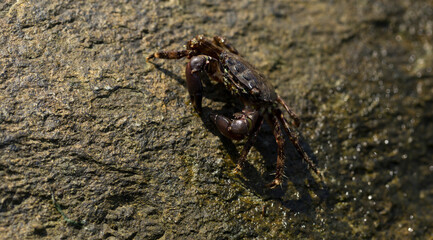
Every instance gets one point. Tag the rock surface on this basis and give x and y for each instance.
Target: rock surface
(86, 121)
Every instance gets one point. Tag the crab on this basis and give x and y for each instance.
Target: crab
(223, 63)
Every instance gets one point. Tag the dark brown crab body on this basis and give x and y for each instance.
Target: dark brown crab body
(223, 64)
(252, 84)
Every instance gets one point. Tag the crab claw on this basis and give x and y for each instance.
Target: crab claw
(236, 129)
(193, 81)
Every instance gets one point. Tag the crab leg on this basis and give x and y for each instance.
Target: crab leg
(295, 141)
(170, 54)
(279, 138)
(222, 42)
(292, 114)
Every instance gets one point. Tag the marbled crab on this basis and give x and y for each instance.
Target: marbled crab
(222, 63)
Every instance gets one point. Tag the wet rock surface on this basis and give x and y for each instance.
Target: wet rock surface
(86, 121)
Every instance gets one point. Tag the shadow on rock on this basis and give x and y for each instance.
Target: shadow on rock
(296, 171)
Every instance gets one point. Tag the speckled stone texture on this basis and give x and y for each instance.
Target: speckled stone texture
(86, 120)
